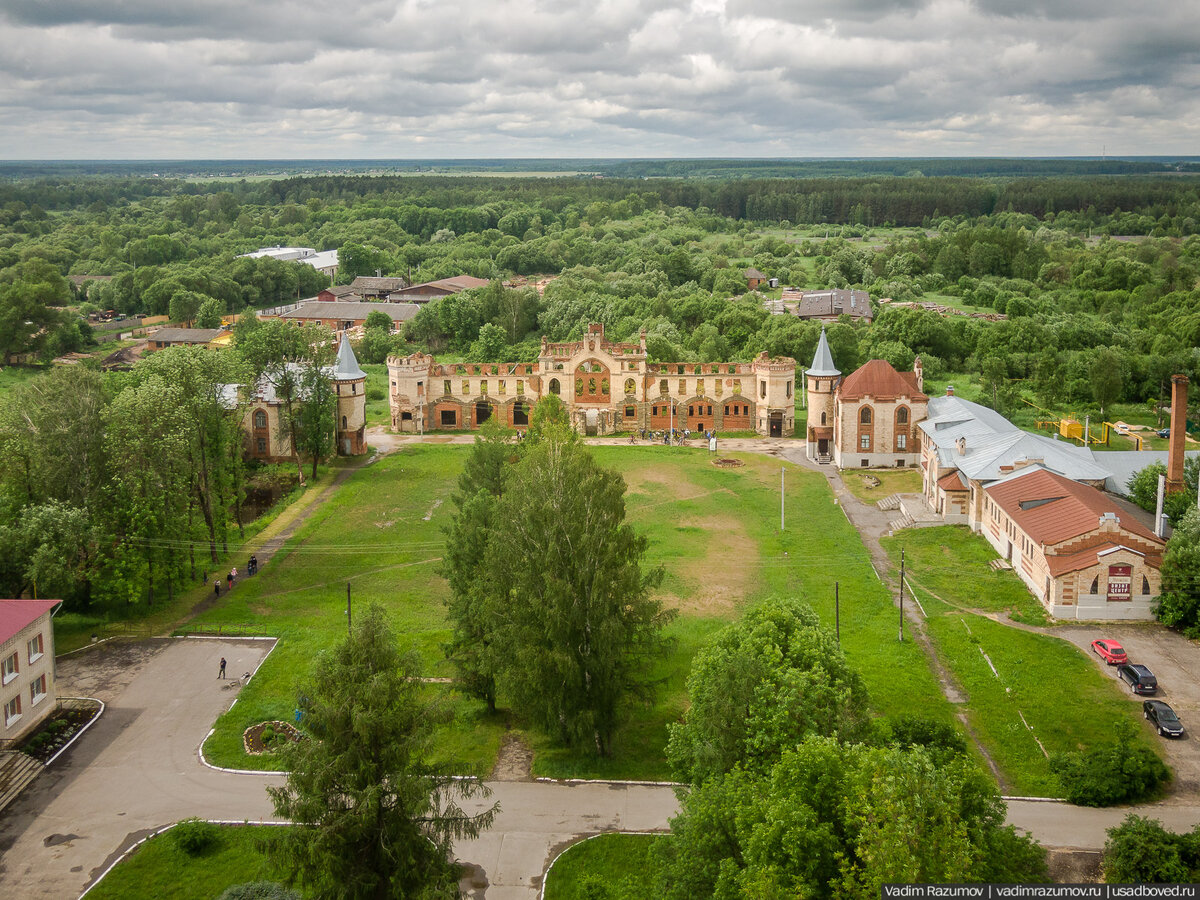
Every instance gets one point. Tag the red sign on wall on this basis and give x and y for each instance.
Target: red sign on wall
(1118, 582)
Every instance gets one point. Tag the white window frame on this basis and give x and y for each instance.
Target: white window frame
(902, 442)
(35, 655)
(864, 442)
(12, 711)
(10, 668)
(34, 696)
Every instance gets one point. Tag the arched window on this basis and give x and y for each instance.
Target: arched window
(260, 419)
(864, 415)
(762, 390)
(1095, 589)
(902, 415)
(1145, 585)
(344, 426)
(630, 386)
(555, 387)
(822, 418)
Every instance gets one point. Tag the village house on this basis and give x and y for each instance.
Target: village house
(373, 287)
(181, 337)
(754, 279)
(1080, 554)
(338, 292)
(27, 690)
(432, 290)
(345, 314)
(827, 305)
(866, 419)
(606, 386)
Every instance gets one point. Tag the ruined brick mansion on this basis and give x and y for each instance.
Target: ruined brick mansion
(606, 386)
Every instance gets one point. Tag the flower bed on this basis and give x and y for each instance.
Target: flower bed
(266, 737)
(62, 725)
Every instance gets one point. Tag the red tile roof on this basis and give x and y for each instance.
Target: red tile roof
(18, 614)
(880, 380)
(952, 481)
(1085, 559)
(1069, 509)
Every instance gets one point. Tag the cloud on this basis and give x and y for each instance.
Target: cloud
(271, 78)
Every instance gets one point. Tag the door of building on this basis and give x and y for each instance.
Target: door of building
(776, 424)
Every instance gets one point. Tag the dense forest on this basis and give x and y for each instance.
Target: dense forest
(1091, 286)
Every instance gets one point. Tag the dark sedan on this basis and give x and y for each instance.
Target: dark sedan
(1139, 678)
(1163, 718)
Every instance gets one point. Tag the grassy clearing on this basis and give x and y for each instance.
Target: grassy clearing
(622, 861)
(1023, 700)
(715, 532)
(11, 376)
(379, 412)
(160, 869)
(891, 481)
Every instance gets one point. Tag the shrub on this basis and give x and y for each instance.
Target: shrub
(941, 739)
(376, 393)
(268, 736)
(259, 890)
(194, 836)
(1141, 851)
(1123, 771)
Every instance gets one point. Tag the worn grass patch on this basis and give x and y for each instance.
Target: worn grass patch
(621, 861)
(1023, 700)
(160, 869)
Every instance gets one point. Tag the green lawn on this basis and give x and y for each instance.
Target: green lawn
(715, 531)
(621, 861)
(160, 869)
(891, 481)
(11, 376)
(1065, 701)
(379, 412)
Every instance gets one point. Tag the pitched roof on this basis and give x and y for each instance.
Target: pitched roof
(350, 310)
(1084, 559)
(1052, 509)
(823, 359)
(832, 302)
(18, 614)
(341, 290)
(952, 481)
(879, 379)
(754, 273)
(376, 284)
(995, 457)
(347, 368)
(185, 335)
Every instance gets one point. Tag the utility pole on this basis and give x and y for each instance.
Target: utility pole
(349, 630)
(781, 518)
(902, 595)
(837, 614)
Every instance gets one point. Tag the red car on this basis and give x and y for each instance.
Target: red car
(1110, 651)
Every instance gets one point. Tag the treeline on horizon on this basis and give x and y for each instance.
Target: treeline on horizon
(719, 168)
(871, 202)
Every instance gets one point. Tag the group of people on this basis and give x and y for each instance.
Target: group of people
(670, 436)
(251, 569)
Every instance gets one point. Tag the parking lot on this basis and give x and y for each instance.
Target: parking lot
(1175, 661)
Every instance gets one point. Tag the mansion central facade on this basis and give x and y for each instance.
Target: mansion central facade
(606, 387)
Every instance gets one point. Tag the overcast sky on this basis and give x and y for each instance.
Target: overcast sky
(489, 78)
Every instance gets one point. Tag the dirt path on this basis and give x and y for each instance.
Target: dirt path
(275, 535)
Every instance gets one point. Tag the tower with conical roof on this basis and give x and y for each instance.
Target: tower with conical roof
(350, 384)
(821, 379)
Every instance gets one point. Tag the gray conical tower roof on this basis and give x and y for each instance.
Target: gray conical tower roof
(347, 365)
(823, 360)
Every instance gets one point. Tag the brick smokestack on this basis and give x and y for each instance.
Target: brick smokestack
(1179, 386)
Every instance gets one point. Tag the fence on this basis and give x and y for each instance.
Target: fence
(232, 630)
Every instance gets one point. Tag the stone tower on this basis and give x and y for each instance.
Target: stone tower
(350, 384)
(821, 379)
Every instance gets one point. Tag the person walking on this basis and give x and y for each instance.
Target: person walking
(221, 673)
(230, 579)
(217, 586)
